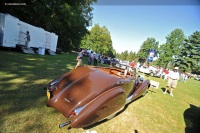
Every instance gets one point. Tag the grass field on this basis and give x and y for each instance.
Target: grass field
(22, 100)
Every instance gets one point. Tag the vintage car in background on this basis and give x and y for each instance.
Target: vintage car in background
(87, 95)
(197, 77)
(123, 65)
(153, 71)
(109, 61)
(144, 69)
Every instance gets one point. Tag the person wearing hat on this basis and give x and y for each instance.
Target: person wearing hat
(173, 77)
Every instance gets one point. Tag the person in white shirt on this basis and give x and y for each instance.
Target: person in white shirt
(173, 78)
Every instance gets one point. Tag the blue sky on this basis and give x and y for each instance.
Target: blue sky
(131, 25)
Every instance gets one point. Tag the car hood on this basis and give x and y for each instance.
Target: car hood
(79, 87)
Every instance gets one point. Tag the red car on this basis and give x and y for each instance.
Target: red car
(87, 95)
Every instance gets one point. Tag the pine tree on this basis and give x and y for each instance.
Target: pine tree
(189, 57)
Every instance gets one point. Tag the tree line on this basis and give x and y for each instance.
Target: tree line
(178, 50)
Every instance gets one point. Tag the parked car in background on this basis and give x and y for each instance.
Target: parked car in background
(114, 61)
(144, 69)
(87, 95)
(123, 64)
(105, 60)
(153, 71)
(110, 61)
(197, 77)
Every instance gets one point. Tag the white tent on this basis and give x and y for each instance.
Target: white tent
(12, 33)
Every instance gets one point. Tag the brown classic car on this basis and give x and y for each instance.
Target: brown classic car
(87, 95)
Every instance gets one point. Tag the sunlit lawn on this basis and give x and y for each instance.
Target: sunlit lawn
(22, 100)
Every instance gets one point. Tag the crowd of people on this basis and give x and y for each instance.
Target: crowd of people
(93, 58)
(172, 76)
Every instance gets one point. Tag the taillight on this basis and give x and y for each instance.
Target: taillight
(77, 111)
(73, 113)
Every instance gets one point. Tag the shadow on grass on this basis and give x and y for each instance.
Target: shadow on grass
(22, 78)
(192, 119)
(163, 89)
(151, 90)
(136, 131)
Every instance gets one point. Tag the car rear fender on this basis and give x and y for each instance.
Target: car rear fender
(106, 104)
(141, 89)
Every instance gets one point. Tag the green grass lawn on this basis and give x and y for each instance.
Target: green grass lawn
(22, 107)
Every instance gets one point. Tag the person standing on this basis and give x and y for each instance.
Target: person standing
(186, 77)
(111, 62)
(132, 65)
(166, 71)
(79, 59)
(90, 58)
(102, 59)
(183, 77)
(173, 78)
(95, 59)
(28, 39)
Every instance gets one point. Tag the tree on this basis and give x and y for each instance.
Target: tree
(150, 43)
(131, 56)
(69, 19)
(169, 51)
(86, 42)
(124, 55)
(189, 56)
(99, 40)
(164, 55)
